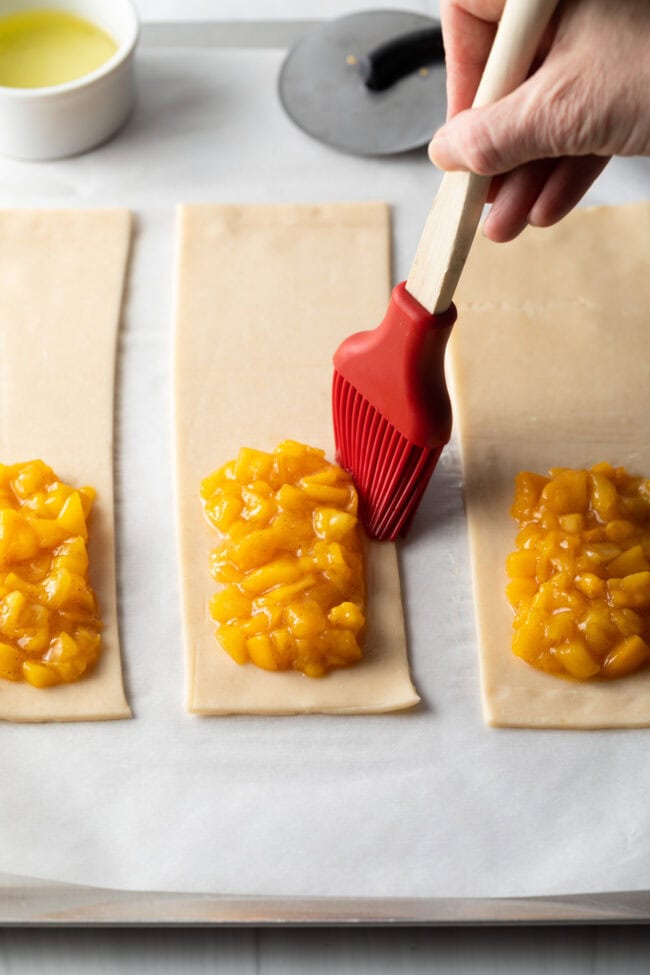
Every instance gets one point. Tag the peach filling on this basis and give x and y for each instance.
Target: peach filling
(49, 620)
(580, 574)
(289, 562)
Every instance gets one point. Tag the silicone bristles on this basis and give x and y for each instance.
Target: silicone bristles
(391, 411)
(390, 473)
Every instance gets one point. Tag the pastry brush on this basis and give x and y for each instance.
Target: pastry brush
(391, 408)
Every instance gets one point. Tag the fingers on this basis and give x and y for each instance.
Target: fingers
(495, 186)
(468, 38)
(468, 28)
(542, 118)
(546, 142)
(514, 200)
(588, 97)
(565, 186)
(539, 194)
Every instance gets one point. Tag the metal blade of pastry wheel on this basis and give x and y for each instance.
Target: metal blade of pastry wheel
(370, 84)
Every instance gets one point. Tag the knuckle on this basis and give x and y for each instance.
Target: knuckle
(559, 117)
(480, 150)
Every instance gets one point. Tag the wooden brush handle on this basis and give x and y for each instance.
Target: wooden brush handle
(457, 208)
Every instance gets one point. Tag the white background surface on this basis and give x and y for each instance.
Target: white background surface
(585, 950)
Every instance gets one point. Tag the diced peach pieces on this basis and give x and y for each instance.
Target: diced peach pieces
(579, 579)
(290, 560)
(49, 620)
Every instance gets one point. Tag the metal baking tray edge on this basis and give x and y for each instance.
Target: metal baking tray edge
(39, 903)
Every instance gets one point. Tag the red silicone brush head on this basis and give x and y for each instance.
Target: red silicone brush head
(392, 414)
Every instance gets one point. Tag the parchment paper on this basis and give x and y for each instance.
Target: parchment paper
(422, 804)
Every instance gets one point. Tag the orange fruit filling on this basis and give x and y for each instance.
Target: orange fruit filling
(49, 620)
(289, 562)
(579, 578)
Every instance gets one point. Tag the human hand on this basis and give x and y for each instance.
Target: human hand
(547, 141)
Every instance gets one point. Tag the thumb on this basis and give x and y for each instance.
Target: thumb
(538, 120)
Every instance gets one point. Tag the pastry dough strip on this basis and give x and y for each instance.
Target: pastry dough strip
(61, 283)
(551, 363)
(264, 296)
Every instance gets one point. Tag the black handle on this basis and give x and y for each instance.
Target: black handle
(403, 55)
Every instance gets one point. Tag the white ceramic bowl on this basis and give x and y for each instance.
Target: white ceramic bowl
(62, 120)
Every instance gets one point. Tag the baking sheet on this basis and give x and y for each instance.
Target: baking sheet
(413, 806)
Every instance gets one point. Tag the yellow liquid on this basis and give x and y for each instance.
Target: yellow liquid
(39, 48)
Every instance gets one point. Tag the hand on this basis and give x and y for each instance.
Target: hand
(547, 141)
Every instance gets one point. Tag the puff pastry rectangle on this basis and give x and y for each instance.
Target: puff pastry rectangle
(264, 296)
(62, 278)
(551, 361)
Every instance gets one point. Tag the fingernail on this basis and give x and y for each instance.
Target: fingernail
(440, 152)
